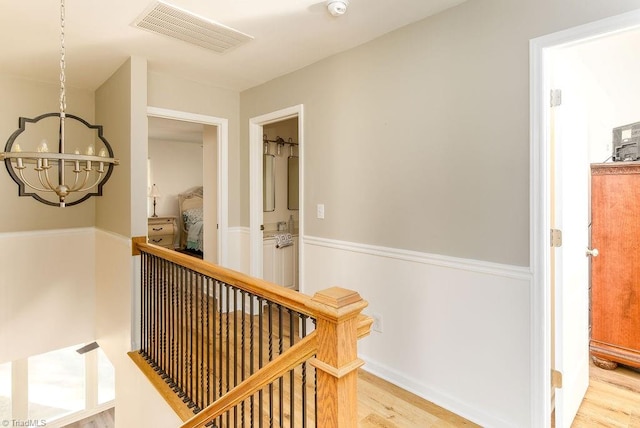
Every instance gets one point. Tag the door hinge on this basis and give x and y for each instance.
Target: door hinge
(556, 97)
(556, 238)
(556, 379)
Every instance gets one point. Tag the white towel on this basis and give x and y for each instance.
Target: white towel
(283, 240)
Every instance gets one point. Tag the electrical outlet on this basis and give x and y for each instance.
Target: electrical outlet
(377, 322)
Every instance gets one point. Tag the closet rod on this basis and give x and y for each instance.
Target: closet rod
(279, 140)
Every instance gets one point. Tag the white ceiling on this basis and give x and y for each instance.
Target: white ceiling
(288, 35)
(175, 130)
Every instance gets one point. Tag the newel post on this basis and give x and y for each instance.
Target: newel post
(337, 359)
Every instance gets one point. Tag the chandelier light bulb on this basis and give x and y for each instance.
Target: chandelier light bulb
(43, 147)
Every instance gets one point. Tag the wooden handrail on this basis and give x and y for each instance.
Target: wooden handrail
(364, 325)
(275, 293)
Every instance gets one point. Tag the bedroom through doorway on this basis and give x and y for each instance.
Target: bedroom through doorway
(187, 163)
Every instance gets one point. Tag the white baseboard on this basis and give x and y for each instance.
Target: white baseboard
(437, 397)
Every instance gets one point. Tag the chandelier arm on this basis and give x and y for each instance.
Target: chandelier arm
(25, 181)
(76, 174)
(98, 180)
(46, 176)
(80, 188)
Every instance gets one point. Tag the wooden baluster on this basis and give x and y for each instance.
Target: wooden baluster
(337, 359)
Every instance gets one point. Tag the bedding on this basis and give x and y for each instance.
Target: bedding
(191, 219)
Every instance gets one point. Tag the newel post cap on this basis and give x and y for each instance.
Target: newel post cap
(338, 303)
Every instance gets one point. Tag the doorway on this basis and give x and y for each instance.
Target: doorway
(260, 129)
(213, 164)
(603, 112)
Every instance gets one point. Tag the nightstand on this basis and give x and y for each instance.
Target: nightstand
(162, 231)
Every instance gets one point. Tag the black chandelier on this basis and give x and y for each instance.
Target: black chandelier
(58, 178)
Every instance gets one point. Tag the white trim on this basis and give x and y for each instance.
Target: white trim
(184, 116)
(46, 232)
(478, 266)
(539, 251)
(539, 202)
(240, 230)
(125, 240)
(255, 184)
(222, 126)
(301, 175)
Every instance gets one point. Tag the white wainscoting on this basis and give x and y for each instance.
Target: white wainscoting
(117, 313)
(455, 331)
(47, 291)
(239, 247)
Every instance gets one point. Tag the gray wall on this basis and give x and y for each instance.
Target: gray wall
(424, 131)
(113, 107)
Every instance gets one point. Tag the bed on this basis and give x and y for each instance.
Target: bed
(191, 219)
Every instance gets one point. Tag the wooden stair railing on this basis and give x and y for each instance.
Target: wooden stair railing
(299, 353)
(339, 324)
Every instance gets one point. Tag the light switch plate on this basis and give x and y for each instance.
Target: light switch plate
(320, 210)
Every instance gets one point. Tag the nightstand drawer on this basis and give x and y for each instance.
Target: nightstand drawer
(161, 229)
(162, 240)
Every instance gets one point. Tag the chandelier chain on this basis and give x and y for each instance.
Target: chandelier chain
(63, 95)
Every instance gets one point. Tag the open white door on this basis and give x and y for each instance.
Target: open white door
(570, 203)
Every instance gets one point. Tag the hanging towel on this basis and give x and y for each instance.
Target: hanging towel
(283, 240)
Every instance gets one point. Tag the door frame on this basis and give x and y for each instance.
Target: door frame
(222, 127)
(256, 125)
(540, 224)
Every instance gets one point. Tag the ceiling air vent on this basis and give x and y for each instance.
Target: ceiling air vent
(165, 19)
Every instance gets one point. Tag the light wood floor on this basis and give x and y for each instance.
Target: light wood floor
(612, 400)
(381, 405)
(384, 405)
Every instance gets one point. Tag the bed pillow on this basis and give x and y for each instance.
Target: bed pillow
(191, 217)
